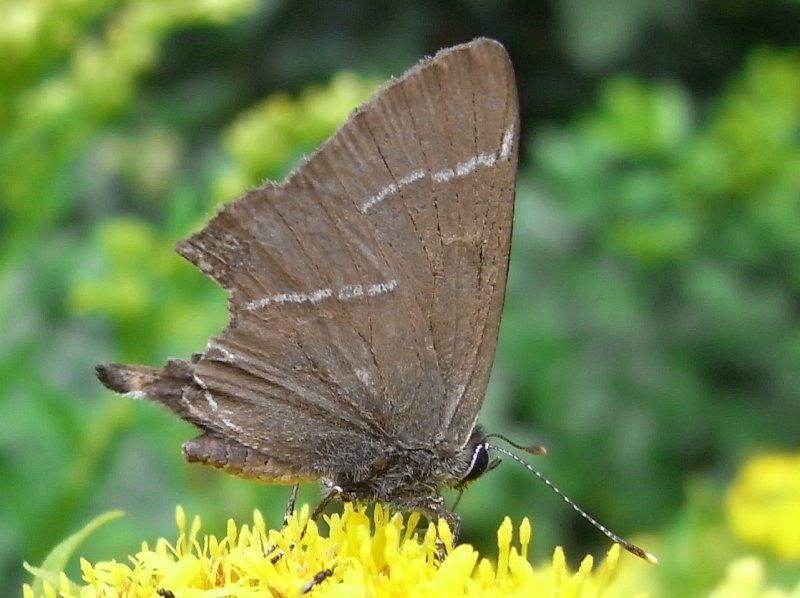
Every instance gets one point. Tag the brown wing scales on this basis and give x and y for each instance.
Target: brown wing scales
(365, 290)
(230, 456)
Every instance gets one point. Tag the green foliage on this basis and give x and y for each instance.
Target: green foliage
(82, 284)
(651, 328)
(654, 285)
(49, 118)
(56, 561)
(293, 126)
(70, 74)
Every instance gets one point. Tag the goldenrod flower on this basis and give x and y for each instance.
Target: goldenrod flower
(746, 577)
(764, 503)
(359, 556)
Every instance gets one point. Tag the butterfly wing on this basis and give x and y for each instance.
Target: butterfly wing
(465, 121)
(446, 140)
(365, 290)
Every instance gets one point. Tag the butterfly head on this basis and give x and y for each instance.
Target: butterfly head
(480, 461)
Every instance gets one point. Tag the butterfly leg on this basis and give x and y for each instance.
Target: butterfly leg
(434, 509)
(440, 511)
(458, 499)
(287, 513)
(333, 492)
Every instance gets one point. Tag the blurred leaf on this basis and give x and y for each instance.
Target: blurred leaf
(651, 329)
(271, 136)
(52, 567)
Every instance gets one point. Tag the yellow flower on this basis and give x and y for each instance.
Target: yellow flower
(764, 504)
(359, 556)
(746, 577)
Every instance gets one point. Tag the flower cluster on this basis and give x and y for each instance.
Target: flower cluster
(359, 556)
(764, 504)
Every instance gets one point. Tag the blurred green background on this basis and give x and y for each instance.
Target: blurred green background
(651, 336)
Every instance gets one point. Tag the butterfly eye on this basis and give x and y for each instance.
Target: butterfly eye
(478, 465)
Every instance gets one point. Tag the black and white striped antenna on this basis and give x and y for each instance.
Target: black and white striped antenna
(629, 546)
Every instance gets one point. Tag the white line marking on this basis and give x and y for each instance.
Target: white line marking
(232, 425)
(211, 402)
(508, 143)
(214, 407)
(226, 356)
(392, 188)
(411, 177)
(468, 166)
(313, 297)
(364, 376)
(475, 455)
(379, 196)
(381, 287)
(350, 291)
(486, 159)
(442, 176)
(192, 409)
(345, 293)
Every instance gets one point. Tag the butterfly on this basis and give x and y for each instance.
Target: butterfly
(364, 293)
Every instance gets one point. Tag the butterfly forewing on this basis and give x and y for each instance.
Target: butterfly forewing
(366, 289)
(465, 121)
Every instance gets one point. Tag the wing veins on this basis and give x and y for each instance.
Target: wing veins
(482, 337)
(343, 308)
(415, 295)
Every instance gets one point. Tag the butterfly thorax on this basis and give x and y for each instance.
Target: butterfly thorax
(403, 475)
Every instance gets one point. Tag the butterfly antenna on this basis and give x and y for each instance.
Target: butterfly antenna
(534, 449)
(629, 546)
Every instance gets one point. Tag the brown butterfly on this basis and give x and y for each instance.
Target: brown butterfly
(365, 294)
